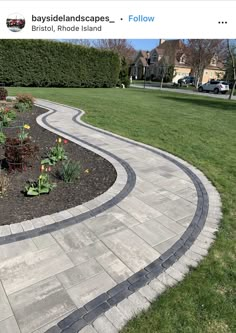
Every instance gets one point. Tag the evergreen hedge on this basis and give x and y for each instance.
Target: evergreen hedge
(42, 63)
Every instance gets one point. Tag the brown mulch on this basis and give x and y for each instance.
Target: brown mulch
(16, 207)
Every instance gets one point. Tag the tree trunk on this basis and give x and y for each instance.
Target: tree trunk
(232, 56)
(197, 82)
(232, 90)
(162, 79)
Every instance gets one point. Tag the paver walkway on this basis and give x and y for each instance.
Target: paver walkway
(92, 267)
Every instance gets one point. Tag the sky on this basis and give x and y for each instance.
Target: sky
(144, 44)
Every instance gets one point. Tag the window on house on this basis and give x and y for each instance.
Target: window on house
(154, 57)
(213, 61)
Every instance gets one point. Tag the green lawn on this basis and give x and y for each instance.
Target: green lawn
(202, 131)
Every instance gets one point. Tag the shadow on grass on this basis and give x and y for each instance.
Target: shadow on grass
(219, 105)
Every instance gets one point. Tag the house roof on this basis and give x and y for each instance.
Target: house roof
(175, 44)
(141, 57)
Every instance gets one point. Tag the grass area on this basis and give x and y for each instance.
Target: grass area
(202, 131)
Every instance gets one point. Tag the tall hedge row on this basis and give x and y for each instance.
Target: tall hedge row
(42, 63)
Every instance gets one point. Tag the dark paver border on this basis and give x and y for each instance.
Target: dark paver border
(99, 305)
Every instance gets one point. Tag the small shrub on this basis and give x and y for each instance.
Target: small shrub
(24, 102)
(25, 98)
(70, 171)
(19, 152)
(3, 93)
(4, 183)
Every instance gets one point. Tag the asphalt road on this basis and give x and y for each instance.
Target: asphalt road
(183, 91)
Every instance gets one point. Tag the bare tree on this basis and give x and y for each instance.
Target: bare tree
(120, 46)
(232, 57)
(163, 68)
(165, 65)
(200, 53)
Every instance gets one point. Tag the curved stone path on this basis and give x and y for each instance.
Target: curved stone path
(91, 268)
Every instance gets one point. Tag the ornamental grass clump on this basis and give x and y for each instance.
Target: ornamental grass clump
(70, 171)
(56, 153)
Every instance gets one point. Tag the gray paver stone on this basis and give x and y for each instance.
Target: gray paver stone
(9, 325)
(116, 317)
(88, 329)
(5, 308)
(166, 279)
(149, 293)
(103, 325)
(141, 302)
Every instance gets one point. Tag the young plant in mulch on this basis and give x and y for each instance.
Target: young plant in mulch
(56, 153)
(43, 184)
(24, 102)
(70, 171)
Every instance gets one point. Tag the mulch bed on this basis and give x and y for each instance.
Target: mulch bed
(16, 207)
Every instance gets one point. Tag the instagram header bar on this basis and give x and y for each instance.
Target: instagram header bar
(117, 19)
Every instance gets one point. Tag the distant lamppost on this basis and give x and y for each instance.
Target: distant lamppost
(148, 61)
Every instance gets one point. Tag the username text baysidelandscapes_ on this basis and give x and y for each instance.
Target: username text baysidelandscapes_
(40, 22)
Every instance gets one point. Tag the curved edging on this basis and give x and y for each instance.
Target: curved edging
(128, 187)
(103, 303)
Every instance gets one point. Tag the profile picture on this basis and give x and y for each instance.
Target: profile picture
(15, 22)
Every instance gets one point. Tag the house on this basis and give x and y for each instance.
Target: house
(137, 69)
(171, 53)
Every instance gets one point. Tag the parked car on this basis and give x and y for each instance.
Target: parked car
(215, 86)
(187, 80)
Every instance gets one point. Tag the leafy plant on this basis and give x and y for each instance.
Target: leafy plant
(41, 186)
(4, 120)
(9, 112)
(6, 116)
(70, 171)
(23, 133)
(2, 137)
(3, 93)
(23, 107)
(56, 153)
